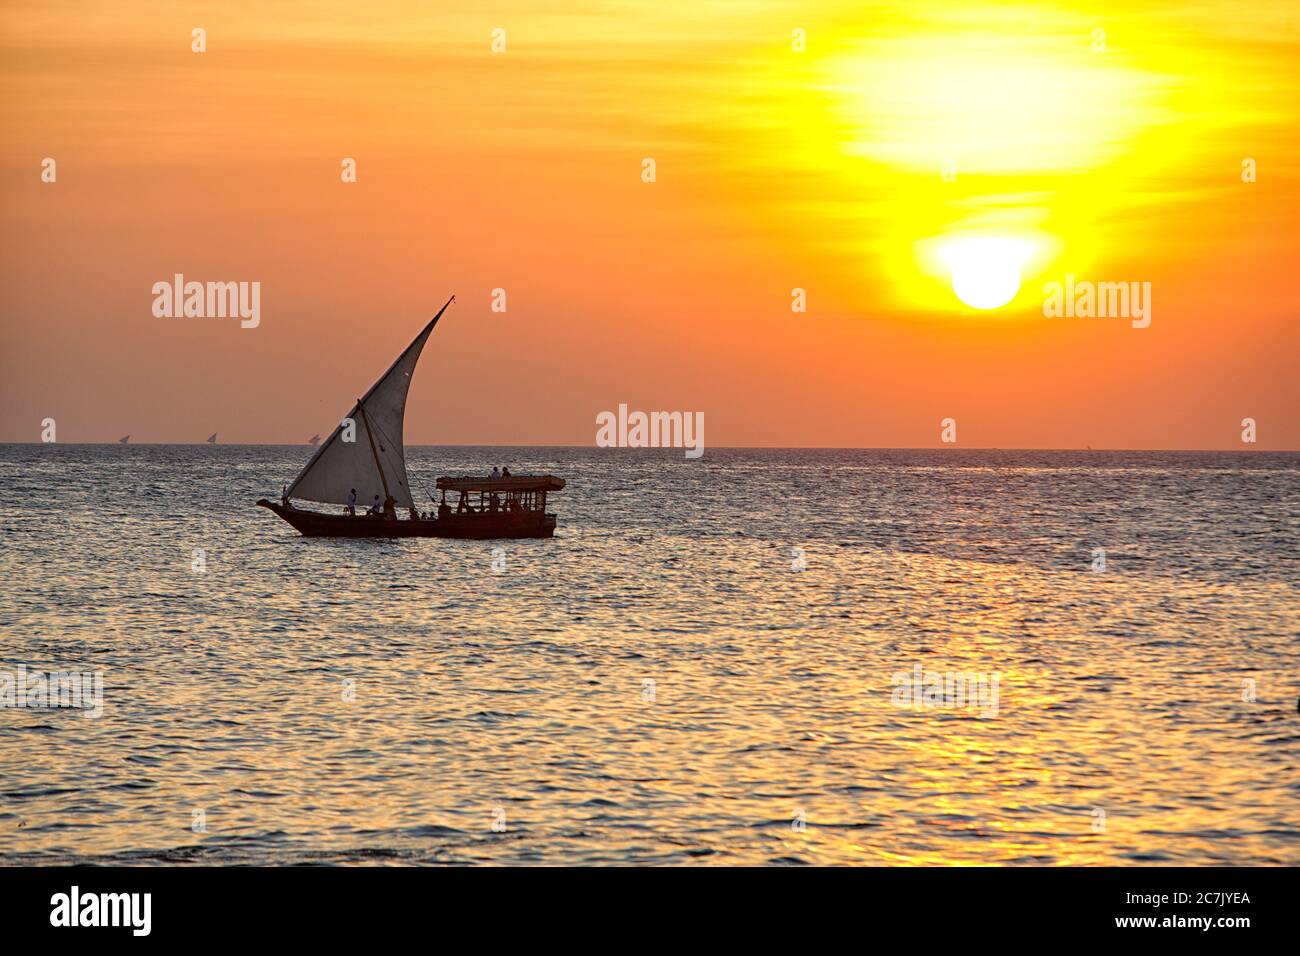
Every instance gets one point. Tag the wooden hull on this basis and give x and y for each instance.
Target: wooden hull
(316, 524)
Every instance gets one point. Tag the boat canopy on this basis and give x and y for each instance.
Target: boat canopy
(513, 483)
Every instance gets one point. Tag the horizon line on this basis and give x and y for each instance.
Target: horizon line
(946, 447)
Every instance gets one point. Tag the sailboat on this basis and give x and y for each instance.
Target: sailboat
(212, 439)
(124, 439)
(363, 463)
(314, 440)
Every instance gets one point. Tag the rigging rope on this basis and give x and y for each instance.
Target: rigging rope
(385, 434)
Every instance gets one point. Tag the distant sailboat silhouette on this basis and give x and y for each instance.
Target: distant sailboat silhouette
(124, 439)
(212, 439)
(314, 440)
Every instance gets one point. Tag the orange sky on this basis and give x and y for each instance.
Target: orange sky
(777, 169)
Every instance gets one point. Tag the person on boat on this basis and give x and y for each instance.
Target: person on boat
(352, 502)
(390, 508)
(505, 472)
(415, 515)
(496, 473)
(376, 508)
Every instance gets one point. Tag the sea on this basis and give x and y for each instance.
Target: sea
(762, 656)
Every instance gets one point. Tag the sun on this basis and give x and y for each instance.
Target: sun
(985, 271)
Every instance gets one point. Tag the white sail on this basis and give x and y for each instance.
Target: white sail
(340, 465)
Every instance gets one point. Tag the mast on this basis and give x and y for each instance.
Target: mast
(370, 434)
